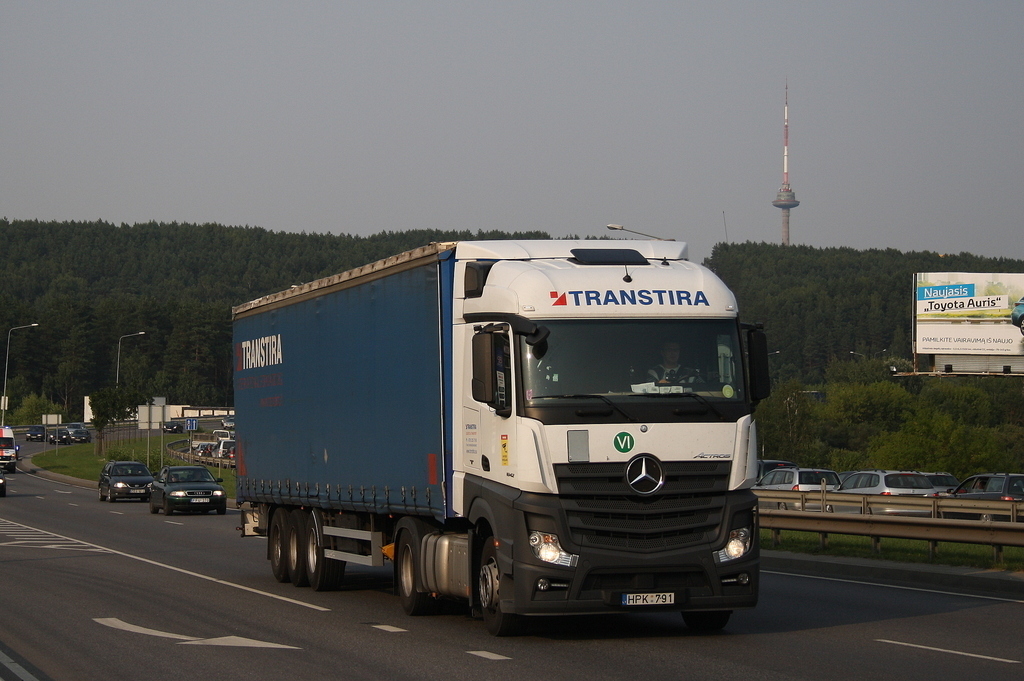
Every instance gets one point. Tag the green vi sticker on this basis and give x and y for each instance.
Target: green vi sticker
(624, 442)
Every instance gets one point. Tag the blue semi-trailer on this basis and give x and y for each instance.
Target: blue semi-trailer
(534, 427)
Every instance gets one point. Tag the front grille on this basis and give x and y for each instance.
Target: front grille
(604, 512)
(199, 493)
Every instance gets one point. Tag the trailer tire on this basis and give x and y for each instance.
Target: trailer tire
(324, 574)
(407, 553)
(707, 620)
(295, 547)
(276, 537)
(498, 623)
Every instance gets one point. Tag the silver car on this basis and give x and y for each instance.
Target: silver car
(799, 480)
(889, 483)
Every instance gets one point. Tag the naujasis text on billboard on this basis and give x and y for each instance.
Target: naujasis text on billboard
(259, 353)
(630, 297)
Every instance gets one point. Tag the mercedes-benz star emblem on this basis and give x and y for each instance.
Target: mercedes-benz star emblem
(644, 474)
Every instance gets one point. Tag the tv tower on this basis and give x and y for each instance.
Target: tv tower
(786, 198)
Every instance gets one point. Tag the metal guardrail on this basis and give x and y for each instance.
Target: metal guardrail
(883, 516)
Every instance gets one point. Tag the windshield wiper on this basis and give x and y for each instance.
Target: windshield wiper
(591, 397)
(700, 398)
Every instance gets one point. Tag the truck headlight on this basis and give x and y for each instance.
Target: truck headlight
(546, 548)
(739, 543)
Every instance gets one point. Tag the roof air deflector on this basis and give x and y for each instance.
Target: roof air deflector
(608, 256)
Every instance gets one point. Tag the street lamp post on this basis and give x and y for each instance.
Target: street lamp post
(3, 419)
(117, 375)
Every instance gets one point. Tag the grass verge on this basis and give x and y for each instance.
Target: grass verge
(903, 550)
(81, 461)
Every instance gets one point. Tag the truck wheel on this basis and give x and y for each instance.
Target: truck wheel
(489, 592)
(415, 603)
(711, 620)
(295, 547)
(275, 544)
(323, 574)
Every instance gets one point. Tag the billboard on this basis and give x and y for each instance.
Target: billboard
(969, 313)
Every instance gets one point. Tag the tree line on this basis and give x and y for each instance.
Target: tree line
(837, 319)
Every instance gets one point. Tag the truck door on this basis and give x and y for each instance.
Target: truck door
(493, 390)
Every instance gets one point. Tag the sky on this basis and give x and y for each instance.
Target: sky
(357, 117)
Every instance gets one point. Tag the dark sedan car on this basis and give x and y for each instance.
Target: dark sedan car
(35, 433)
(79, 435)
(59, 436)
(988, 487)
(124, 480)
(190, 489)
(174, 427)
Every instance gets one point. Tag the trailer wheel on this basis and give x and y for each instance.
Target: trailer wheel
(295, 547)
(709, 620)
(276, 544)
(324, 574)
(489, 592)
(415, 603)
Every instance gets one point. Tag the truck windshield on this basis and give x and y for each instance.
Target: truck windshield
(634, 362)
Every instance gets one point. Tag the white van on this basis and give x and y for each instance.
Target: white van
(8, 449)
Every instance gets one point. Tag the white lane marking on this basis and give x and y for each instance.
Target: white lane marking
(388, 628)
(896, 586)
(116, 623)
(111, 512)
(487, 655)
(173, 522)
(944, 650)
(61, 491)
(237, 642)
(183, 571)
(232, 641)
(18, 670)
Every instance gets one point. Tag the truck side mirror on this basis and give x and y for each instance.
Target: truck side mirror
(760, 378)
(492, 376)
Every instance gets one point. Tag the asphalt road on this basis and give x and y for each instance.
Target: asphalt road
(92, 589)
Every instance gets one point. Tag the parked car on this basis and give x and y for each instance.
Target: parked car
(888, 483)
(35, 433)
(3, 485)
(59, 436)
(79, 435)
(228, 422)
(124, 480)
(942, 482)
(799, 480)
(987, 487)
(766, 465)
(223, 434)
(174, 427)
(191, 489)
